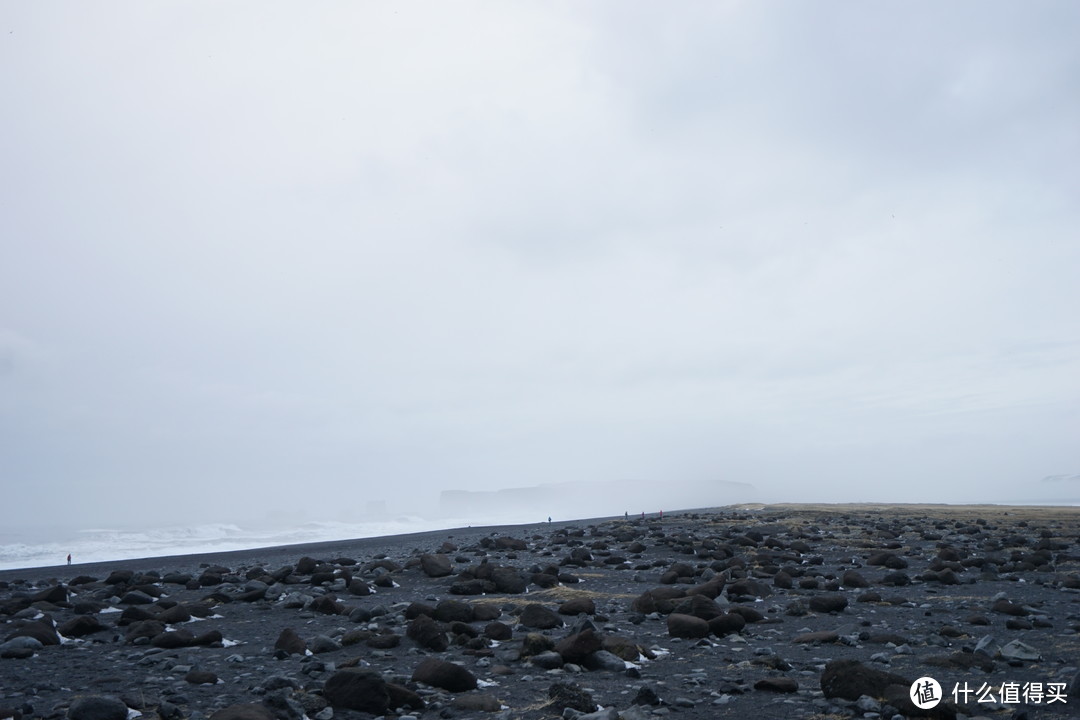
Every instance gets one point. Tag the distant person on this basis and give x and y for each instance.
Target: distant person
(549, 518)
(69, 558)
(626, 514)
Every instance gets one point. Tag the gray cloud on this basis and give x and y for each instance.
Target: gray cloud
(382, 252)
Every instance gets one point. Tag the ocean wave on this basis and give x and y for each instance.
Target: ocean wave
(105, 544)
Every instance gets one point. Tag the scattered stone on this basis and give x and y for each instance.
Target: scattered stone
(828, 603)
(578, 606)
(1019, 652)
(97, 707)
(686, 626)
(819, 636)
(361, 690)
(604, 660)
(201, 677)
(570, 695)
(436, 565)
(445, 675)
(538, 617)
(577, 647)
(476, 703)
(289, 642)
(427, 633)
(547, 660)
(726, 624)
(850, 679)
(777, 684)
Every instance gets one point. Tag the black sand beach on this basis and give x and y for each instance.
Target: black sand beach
(778, 611)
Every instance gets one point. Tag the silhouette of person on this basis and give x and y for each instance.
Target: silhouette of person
(69, 558)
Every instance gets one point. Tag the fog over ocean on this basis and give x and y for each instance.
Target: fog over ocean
(18, 550)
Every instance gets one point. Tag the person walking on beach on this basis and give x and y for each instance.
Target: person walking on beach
(69, 558)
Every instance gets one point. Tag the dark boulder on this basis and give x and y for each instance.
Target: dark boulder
(436, 565)
(700, 606)
(578, 606)
(43, 632)
(661, 600)
(538, 617)
(575, 648)
(509, 543)
(97, 707)
(176, 614)
(52, 594)
(498, 631)
(726, 624)
(1007, 607)
(119, 577)
(210, 637)
(570, 695)
(291, 643)
(747, 588)
(201, 677)
(854, 579)
(472, 587)
(454, 611)
(828, 603)
(427, 633)
(306, 566)
(360, 690)
(711, 588)
(535, 643)
(445, 675)
(777, 684)
(887, 559)
(136, 597)
(144, 629)
(686, 626)
(509, 580)
(81, 626)
(327, 605)
(244, 711)
(359, 587)
(171, 640)
(416, 609)
(850, 679)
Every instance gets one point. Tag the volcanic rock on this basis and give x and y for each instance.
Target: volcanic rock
(291, 643)
(828, 603)
(570, 695)
(575, 648)
(445, 675)
(436, 565)
(686, 626)
(97, 707)
(427, 633)
(850, 679)
(361, 690)
(538, 617)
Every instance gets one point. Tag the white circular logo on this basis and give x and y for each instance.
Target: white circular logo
(925, 693)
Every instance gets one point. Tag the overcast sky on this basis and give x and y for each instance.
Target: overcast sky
(292, 257)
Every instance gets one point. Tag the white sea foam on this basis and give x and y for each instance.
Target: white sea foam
(104, 544)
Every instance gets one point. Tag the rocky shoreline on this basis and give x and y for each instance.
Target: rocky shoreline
(786, 611)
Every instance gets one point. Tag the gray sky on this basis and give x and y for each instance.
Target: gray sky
(288, 257)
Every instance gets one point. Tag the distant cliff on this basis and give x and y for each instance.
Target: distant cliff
(594, 499)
